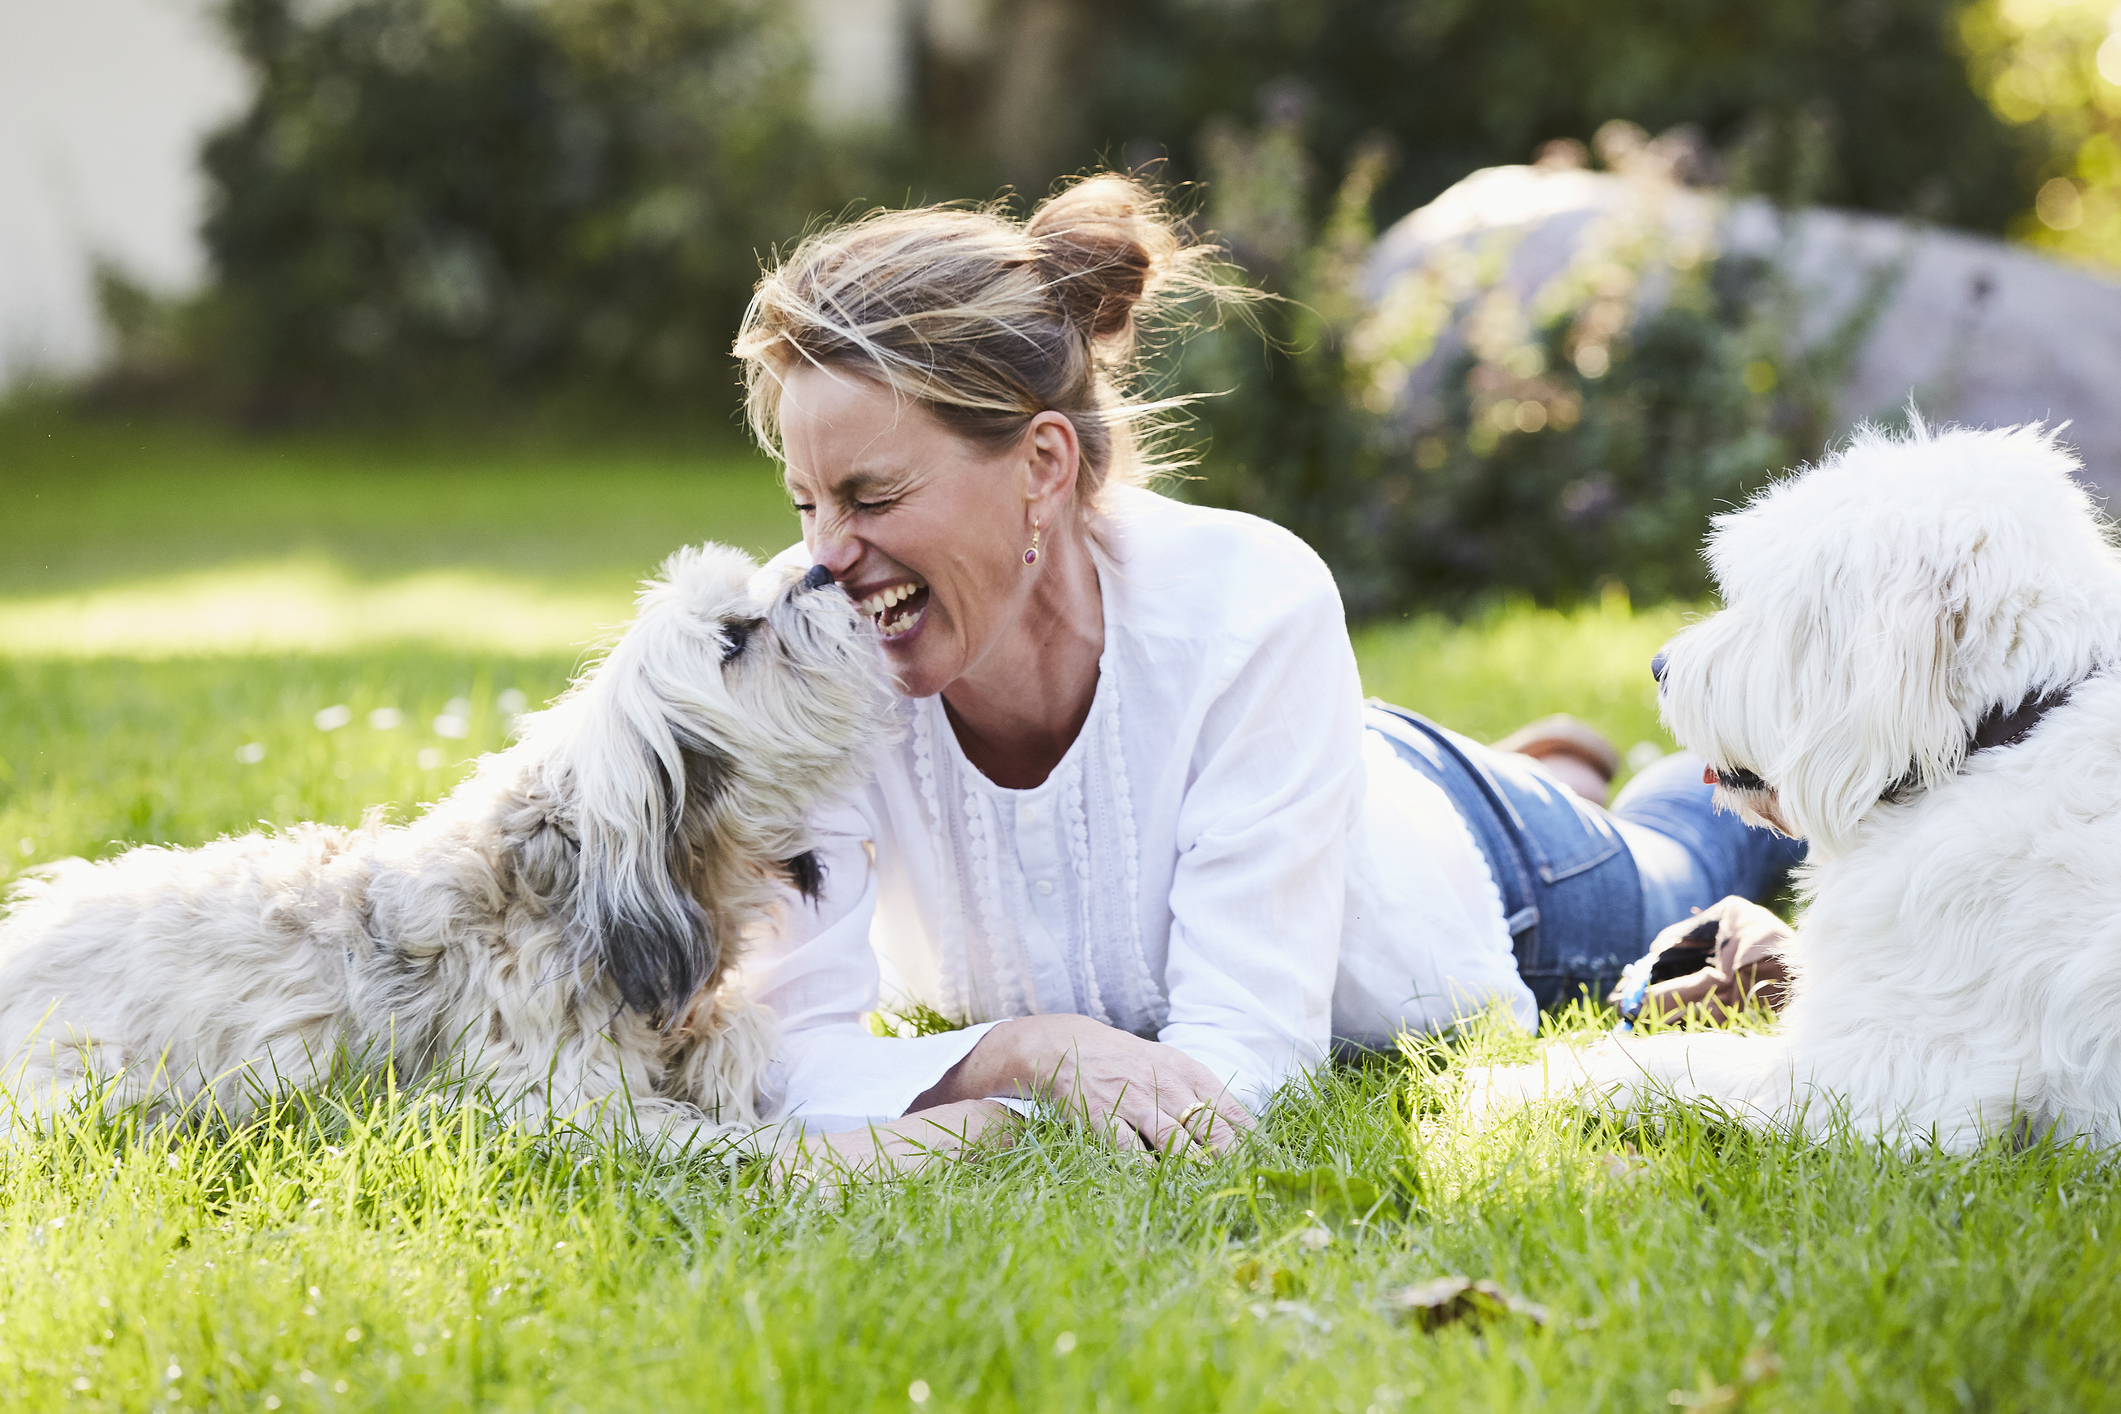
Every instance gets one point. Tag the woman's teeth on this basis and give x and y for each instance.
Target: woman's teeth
(884, 598)
(879, 605)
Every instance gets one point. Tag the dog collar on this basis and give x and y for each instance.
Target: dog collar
(1999, 727)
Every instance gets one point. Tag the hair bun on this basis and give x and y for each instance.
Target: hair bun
(1104, 244)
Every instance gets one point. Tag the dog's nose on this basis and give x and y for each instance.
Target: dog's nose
(818, 577)
(1657, 663)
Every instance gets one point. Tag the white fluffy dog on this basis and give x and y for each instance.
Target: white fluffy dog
(560, 927)
(1915, 669)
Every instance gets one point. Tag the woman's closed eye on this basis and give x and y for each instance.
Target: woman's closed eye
(809, 508)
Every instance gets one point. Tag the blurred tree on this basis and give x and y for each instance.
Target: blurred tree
(430, 198)
(434, 201)
(2053, 69)
(1456, 85)
(455, 196)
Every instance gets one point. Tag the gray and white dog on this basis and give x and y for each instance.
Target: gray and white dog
(562, 926)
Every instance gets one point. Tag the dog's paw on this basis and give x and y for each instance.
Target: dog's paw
(1497, 1090)
(1561, 1073)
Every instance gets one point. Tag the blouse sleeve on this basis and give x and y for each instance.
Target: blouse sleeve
(818, 974)
(1263, 839)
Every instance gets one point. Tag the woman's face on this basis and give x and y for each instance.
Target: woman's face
(925, 530)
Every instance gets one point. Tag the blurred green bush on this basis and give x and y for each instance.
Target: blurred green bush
(1580, 437)
(1862, 103)
(433, 206)
(433, 200)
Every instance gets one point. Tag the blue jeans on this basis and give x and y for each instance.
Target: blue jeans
(1585, 889)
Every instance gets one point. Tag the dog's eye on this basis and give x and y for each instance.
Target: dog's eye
(735, 634)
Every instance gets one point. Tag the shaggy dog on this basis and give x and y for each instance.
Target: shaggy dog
(1914, 670)
(558, 929)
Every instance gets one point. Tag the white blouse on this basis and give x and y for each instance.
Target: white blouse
(1224, 859)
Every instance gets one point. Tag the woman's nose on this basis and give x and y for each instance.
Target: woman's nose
(833, 549)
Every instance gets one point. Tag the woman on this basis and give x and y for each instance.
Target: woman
(1140, 825)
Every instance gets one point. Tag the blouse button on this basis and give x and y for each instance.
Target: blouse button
(1027, 813)
(1044, 886)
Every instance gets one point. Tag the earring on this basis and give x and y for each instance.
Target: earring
(1031, 555)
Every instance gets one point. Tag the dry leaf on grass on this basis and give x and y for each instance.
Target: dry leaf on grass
(1431, 1305)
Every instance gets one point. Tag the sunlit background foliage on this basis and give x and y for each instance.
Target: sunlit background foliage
(2052, 69)
(474, 204)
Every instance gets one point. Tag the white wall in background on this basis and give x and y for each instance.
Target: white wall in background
(102, 106)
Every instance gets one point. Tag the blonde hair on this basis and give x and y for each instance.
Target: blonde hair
(987, 321)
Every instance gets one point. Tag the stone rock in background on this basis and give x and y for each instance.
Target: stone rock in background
(1977, 331)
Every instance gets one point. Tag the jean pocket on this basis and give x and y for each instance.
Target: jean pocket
(1561, 834)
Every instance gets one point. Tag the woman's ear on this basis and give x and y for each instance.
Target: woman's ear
(1053, 457)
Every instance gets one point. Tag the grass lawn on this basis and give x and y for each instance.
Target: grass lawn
(176, 608)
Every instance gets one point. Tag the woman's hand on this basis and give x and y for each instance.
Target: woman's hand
(1117, 1081)
(904, 1146)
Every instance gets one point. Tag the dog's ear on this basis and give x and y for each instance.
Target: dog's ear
(1871, 675)
(642, 792)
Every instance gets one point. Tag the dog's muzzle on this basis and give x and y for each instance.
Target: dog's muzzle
(1740, 779)
(1729, 780)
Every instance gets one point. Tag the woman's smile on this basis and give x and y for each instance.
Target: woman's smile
(897, 609)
